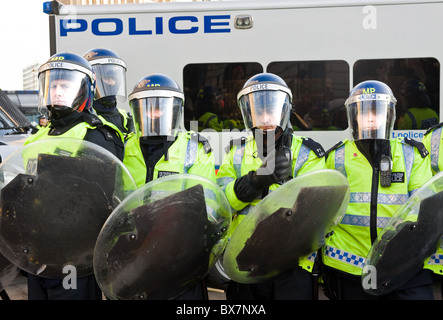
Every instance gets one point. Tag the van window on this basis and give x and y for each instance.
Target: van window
(211, 94)
(319, 89)
(415, 83)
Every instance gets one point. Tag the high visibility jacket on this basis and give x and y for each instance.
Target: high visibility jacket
(418, 118)
(348, 246)
(209, 120)
(79, 131)
(432, 141)
(188, 154)
(242, 158)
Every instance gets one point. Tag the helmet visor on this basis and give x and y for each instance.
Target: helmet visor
(62, 88)
(265, 109)
(157, 116)
(371, 119)
(111, 81)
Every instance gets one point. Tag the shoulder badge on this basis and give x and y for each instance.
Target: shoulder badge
(314, 146)
(420, 146)
(206, 145)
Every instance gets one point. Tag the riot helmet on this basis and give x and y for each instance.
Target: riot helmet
(370, 108)
(157, 106)
(265, 102)
(66, 84)
(110, 71)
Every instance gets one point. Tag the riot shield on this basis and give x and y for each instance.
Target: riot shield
(162, 239)
(411, 236)
(286, 225)
(55, 196)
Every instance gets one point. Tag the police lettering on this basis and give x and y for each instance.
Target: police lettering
(161, 25)
(56, 64)
(262, 86)
(368, 90)
(114, 60)
(57, 58)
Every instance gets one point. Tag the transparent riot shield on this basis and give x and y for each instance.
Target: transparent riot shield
(411, 236)
(55, 196)
(162, 239)
(288, 224)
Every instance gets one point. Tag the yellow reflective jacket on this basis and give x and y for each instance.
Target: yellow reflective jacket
(188, 154)
(432, 142)
(78, 132)
(348, 246)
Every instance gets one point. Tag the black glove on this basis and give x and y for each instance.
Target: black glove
(276, 167)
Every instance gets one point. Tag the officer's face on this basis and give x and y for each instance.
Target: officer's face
(109, 80)
(370, 121)
(266, 120)
(62, 92)
(154, 113)
(43, 122)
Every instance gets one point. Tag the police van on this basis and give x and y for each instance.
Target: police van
(321, 48)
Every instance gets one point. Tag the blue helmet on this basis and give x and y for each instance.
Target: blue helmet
(157, 106)
(371, 110)
(110, 71)
(67, 83)
(265, 102)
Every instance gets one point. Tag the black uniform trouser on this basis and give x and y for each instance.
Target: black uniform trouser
(52, 289)
(348, 287)
(295, 284)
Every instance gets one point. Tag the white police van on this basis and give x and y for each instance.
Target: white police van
(320, 48)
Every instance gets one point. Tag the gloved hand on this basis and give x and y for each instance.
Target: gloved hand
(276, 167)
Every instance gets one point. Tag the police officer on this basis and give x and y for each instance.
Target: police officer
(110, 72)
(160, 146)
(265, 103)
(419, 113)
(42, 122)
(369, 160)
(67, 85)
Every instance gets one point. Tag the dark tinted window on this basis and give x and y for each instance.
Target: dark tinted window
(319, 89)
(415, 83)
(211, 93)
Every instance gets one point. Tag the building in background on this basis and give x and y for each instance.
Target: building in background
(30, 76)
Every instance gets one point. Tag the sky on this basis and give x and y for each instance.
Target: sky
(24, 34)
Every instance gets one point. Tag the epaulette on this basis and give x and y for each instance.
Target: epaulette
(206, 145)
(419, 145)
(92, 119)
(314, 146)
(435, 126)
(235, 142)
(335, 146)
